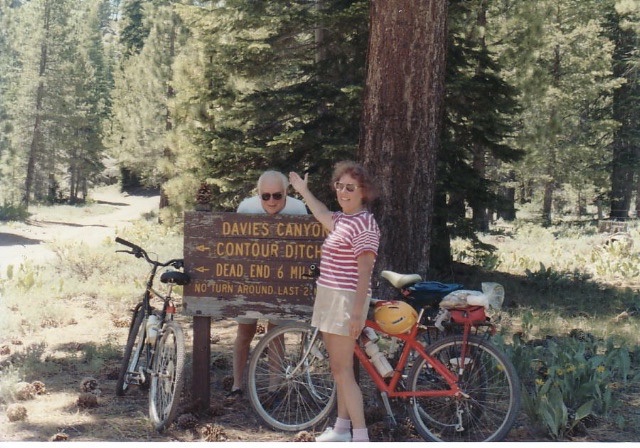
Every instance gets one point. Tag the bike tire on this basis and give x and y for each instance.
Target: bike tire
(132, 351)
(490, 381)
(167, 376)
(284, 400)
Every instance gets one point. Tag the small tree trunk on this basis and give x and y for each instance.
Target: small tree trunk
(547, 202)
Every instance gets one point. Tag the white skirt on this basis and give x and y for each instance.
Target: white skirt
(332, 310)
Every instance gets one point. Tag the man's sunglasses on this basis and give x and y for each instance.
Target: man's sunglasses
(267, 196)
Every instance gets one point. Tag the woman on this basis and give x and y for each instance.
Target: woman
(343, 288)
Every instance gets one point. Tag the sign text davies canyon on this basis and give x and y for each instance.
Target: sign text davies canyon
(250, 265)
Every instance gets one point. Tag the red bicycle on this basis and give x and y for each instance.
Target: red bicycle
(460, 388)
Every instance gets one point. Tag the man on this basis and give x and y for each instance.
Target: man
(271, 199)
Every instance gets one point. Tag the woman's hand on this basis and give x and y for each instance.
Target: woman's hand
(298, 183)
(355, 326)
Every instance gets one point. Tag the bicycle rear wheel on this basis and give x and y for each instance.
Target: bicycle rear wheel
(134, 359)
(166, 376)
(490, 381)
(291, 392)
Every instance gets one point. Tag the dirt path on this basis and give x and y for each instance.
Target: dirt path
(112, 210)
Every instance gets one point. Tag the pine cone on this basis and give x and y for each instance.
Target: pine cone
(213, 433)
(227, 382)
(39, 387)
(16, 412)
(186, 421)
(25, 391)
(88, 384)
(216, 410)
(87, 400)
(304, 436)
(204, 194)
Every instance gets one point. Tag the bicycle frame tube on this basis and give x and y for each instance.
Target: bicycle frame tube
(410, 343)
(150, 292)
(149, 289)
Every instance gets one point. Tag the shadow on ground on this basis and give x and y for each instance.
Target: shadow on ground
(10, 239)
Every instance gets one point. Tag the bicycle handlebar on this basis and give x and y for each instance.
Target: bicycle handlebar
(124, 242)
(139, 252)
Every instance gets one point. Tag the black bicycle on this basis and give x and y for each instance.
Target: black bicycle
(155, 351)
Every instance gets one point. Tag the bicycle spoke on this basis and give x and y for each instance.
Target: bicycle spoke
(134, 359)
(166, 381)
(288, 391)
(489, 382)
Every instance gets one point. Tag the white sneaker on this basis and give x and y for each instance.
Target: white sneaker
(329, 435)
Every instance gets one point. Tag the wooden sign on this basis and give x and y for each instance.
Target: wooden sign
(250, 265)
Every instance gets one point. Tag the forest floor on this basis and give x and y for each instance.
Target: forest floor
(93, 329)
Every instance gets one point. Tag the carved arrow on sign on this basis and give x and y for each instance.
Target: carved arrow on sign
(201, 269)
(202, 248)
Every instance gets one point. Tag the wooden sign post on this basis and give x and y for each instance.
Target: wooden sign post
(245, 265)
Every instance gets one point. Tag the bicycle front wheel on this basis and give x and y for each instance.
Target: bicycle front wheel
(491, 401)
(132, 368)
(288, 390)
(166, 376)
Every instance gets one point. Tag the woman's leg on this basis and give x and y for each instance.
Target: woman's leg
(350, 404)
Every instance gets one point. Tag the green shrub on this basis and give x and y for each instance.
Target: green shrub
(566, 379)
(11, 212)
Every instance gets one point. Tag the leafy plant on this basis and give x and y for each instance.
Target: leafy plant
(567, 379)
(550, 278)
(615, 260)
(12, 212)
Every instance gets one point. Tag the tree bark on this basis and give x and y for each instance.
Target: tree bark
(547, 202)
(401, 122)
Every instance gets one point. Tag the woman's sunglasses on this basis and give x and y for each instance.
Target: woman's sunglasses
(339, 186)
(267, 196)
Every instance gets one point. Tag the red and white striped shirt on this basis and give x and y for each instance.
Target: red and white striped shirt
(351, 236)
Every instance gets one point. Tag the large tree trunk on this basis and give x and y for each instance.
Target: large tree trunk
(401, 124)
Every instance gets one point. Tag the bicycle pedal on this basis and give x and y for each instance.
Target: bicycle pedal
(136, 378)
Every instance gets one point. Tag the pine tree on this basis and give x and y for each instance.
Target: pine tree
(89, 100)
(279, 97)
(6, 58)
(478, 107)
(562, 66)
(623, 29)
(55, 100)
(41, 52)
(133, 29)
(141, 122)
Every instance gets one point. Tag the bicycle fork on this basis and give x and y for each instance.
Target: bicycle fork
(311, 353)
